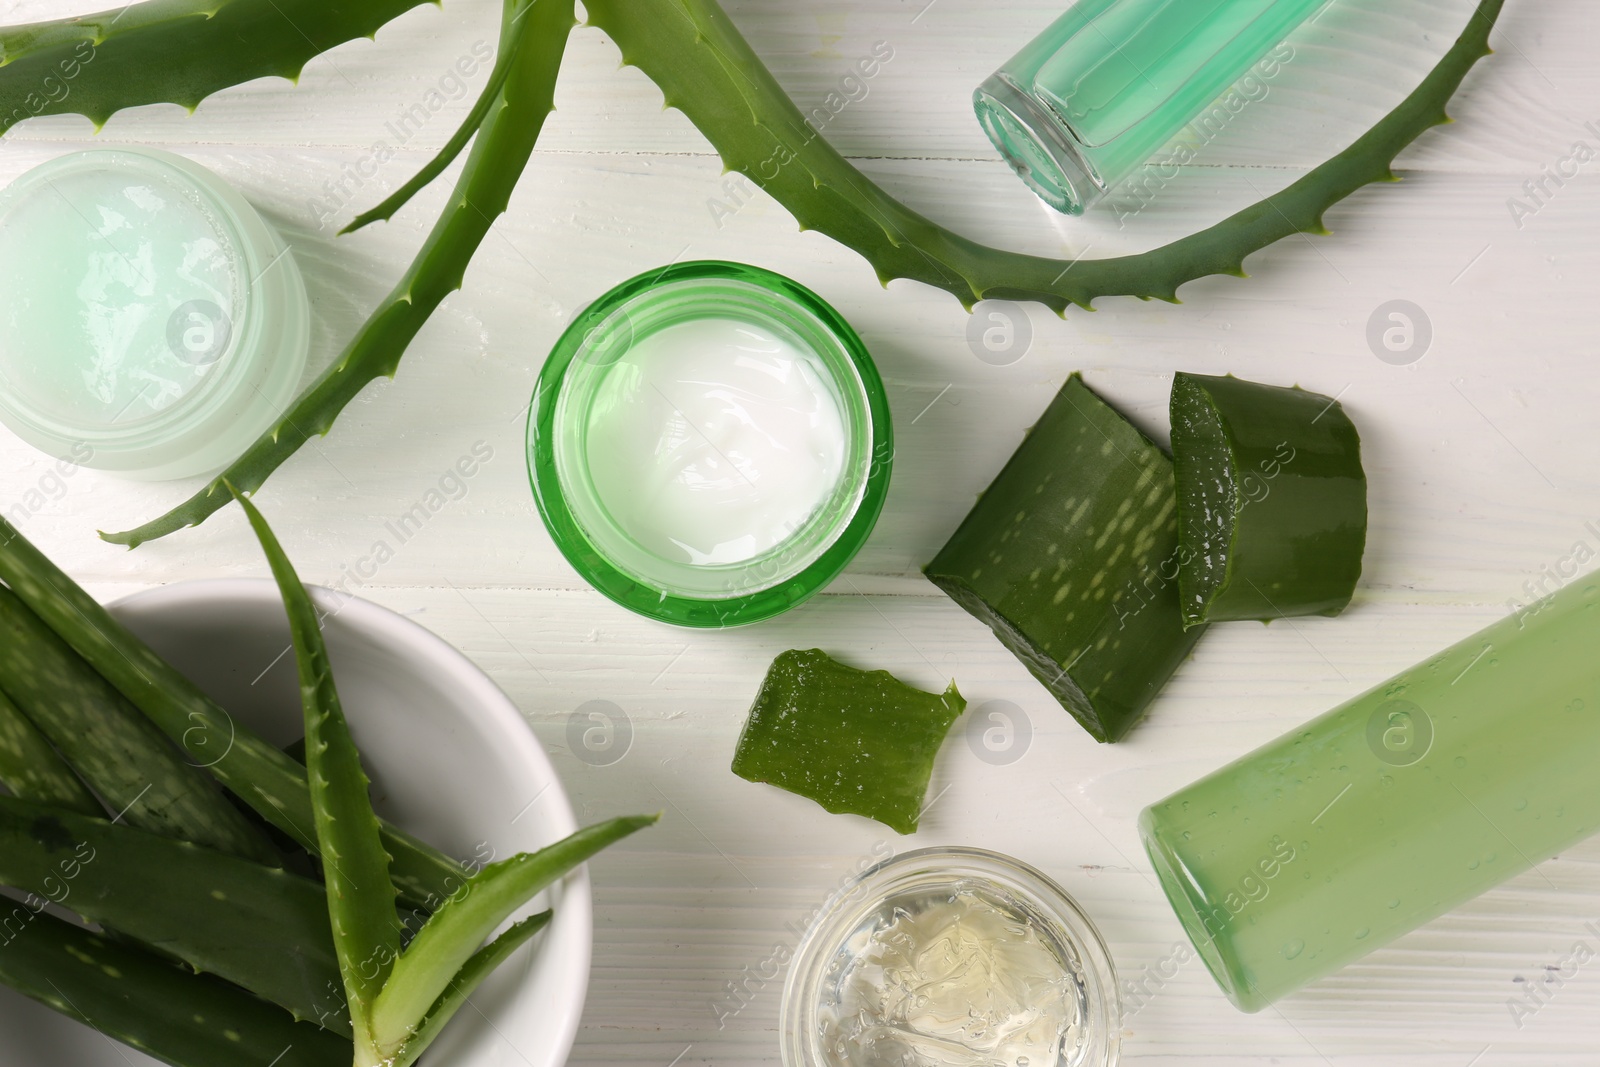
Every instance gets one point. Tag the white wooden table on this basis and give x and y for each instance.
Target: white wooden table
(1480, 456)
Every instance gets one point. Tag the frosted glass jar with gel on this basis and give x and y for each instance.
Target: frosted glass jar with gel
(709, 444)
(153, 323)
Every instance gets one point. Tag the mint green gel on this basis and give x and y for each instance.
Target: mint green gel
(1393, 808)
(1093, 97)
(152, 323)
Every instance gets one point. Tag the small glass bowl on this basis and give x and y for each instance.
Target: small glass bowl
(156, 323)
(615, 562)
(835, 936)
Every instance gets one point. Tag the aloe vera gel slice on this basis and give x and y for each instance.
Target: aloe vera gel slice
(1071, 558)
(1272, 500)
(856, 742)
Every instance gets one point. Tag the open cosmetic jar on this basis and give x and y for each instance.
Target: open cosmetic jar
(154, 323)
(951, 957)
(709, 444)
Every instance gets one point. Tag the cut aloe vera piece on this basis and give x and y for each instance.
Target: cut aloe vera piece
(1272, 500)
(160, 1008)
(856, 742)
(1071, 558)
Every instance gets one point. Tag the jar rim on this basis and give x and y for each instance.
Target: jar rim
(1043, 898)
(608, 557)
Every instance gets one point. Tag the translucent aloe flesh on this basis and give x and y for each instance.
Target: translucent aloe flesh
(260, 927)
(115, 749)
(160, 1008)
(1071, 557)
(261, 775)
(1272, 500)
(705, 68)
(856, 742)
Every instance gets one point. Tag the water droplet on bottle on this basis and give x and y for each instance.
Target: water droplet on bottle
(1521, 805)
(1363, 932)
(1293, 949)
(1460, 761)
(1394, 902)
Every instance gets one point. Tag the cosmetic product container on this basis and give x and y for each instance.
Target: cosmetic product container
(1392, 808)
(950, 957)
(1094, 96)
(154, 323)
(709, 444)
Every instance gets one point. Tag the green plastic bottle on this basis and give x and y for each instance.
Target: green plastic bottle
(1393, 808)
(1091, 98)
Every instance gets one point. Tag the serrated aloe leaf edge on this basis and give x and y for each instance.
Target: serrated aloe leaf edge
(706, 69)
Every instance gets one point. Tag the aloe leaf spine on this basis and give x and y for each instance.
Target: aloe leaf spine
(170, 51)
(706, 69)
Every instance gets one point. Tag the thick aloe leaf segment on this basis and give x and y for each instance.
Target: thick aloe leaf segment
(856, 742)
(261, 775)
(360, 898)
(1272, 500)
(115, 749)
(257, 926)
(30, 768)
(170, 51)
(162, 1009)
(1071, 558)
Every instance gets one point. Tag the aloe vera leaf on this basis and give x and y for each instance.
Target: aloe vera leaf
(34, 770)
(1071, 557)
(360, 897)
(856, 742)
(483, 963)
(1272, 500)
(112, 747)
(259, 927)
(261, 775)
(499, 152)
(170, 51)
(450, 937)
(693, 52)
(487, 98)
(707, 70)
(158, 1007)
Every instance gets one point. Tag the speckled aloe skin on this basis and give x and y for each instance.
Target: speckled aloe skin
(1071, 556)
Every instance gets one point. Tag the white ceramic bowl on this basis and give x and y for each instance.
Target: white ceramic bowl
(451, 760)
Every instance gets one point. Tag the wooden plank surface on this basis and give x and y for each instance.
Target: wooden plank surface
(1480, 455)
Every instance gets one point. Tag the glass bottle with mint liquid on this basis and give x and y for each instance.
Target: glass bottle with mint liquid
(1393, 808)
(1092, 98)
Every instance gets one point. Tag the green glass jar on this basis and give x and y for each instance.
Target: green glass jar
(156, 324)
(709, 444)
